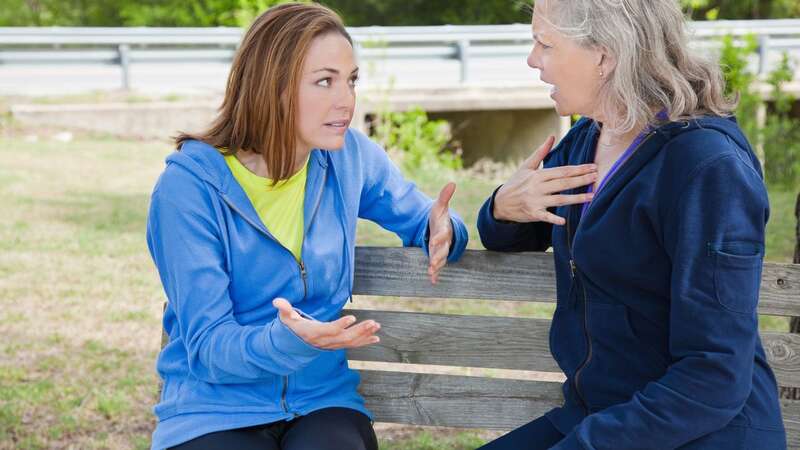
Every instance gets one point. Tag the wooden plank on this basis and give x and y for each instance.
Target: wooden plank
(450, 340)
(481, 274)
(783, 354)
(790, 411)
(507, 343)
(456, 401)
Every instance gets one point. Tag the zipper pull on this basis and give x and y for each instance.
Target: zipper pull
(573, 268)
(302, 270)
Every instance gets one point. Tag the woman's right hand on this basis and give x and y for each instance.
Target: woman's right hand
(328, 335)
(526, 196)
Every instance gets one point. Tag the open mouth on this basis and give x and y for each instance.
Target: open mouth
(338, 124)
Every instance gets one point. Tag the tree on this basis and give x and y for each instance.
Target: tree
(742, 9)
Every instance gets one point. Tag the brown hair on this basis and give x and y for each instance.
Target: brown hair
(258, 111)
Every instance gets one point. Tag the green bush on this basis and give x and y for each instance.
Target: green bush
(420, 141)
(780, 134)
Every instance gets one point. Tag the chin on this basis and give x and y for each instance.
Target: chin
(563, 111)
(330, 143)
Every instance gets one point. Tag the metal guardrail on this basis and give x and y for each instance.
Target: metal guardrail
(126, 46)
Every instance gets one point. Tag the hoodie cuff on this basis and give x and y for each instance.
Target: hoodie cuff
(570, 442)
(289, 347)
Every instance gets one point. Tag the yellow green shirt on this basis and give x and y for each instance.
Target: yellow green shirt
(280, 207)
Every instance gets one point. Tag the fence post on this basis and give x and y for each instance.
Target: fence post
(763, 54)
(463, 57)
(125, 62)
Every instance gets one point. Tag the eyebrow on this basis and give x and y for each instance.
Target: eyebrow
(328, 69)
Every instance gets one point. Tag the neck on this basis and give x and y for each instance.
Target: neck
(255, 162)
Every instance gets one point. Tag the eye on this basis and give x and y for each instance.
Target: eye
(354, 80)
(542, 44)
(325, 82)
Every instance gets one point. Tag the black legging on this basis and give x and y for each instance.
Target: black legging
(326, 429)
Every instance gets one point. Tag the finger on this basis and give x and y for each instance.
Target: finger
(285, 310)
(538, 156)
(442, 202)
(438, 258)
(442, 235)
(436, 266)
(446, 194)
(565, 184)
(566, 171)
(552, 218)
(364, 342)
(562, 200)
(344, 322)
(359, 331)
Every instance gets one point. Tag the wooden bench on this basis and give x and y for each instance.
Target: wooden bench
(408, 396)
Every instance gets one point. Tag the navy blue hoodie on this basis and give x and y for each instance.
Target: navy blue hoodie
(656, 326)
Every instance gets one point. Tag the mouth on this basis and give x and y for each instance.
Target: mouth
(338, 124)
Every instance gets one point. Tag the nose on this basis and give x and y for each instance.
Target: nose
(346, 100)
(533, 59)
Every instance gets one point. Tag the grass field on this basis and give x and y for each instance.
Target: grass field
(80, 301)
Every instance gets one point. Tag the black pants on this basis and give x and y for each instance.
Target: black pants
(326, 429)
(537, 435)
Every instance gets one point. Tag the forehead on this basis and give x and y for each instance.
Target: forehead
(329, 50)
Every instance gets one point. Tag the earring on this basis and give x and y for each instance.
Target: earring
(601, 73)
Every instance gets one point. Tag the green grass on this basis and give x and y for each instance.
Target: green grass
(80, 301)
(426, 440)
(781, 225)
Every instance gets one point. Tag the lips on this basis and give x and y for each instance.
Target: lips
(338, 123)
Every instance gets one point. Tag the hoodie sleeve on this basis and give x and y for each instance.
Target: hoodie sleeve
(715, 239)
(397, 205)
(184, 242)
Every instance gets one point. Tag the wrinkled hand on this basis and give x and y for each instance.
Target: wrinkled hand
(441, 232)
(531, 190)
(334, 335)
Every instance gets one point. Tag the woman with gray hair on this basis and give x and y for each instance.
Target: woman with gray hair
(655, 207)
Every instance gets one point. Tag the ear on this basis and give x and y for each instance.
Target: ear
(606, 63)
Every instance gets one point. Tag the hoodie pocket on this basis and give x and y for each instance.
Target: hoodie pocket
(737, 275)
(197, 396)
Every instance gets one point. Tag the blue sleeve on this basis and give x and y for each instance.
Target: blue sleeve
(397, 205)
(185, 245)
(715, 239)
(505, 236)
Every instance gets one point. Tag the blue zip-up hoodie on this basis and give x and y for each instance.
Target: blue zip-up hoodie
(230, 362)
(655, 325)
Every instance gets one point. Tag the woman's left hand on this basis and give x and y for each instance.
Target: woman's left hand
(441, 232)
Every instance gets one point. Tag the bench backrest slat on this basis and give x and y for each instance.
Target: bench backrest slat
(464, 341)
(402, 272)
(456, 401)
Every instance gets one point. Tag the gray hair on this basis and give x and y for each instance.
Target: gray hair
(655, 68)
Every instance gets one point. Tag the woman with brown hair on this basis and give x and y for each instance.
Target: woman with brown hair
(252, 229)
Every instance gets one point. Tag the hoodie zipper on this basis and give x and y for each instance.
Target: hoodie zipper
(300, 264)
(577, 278)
